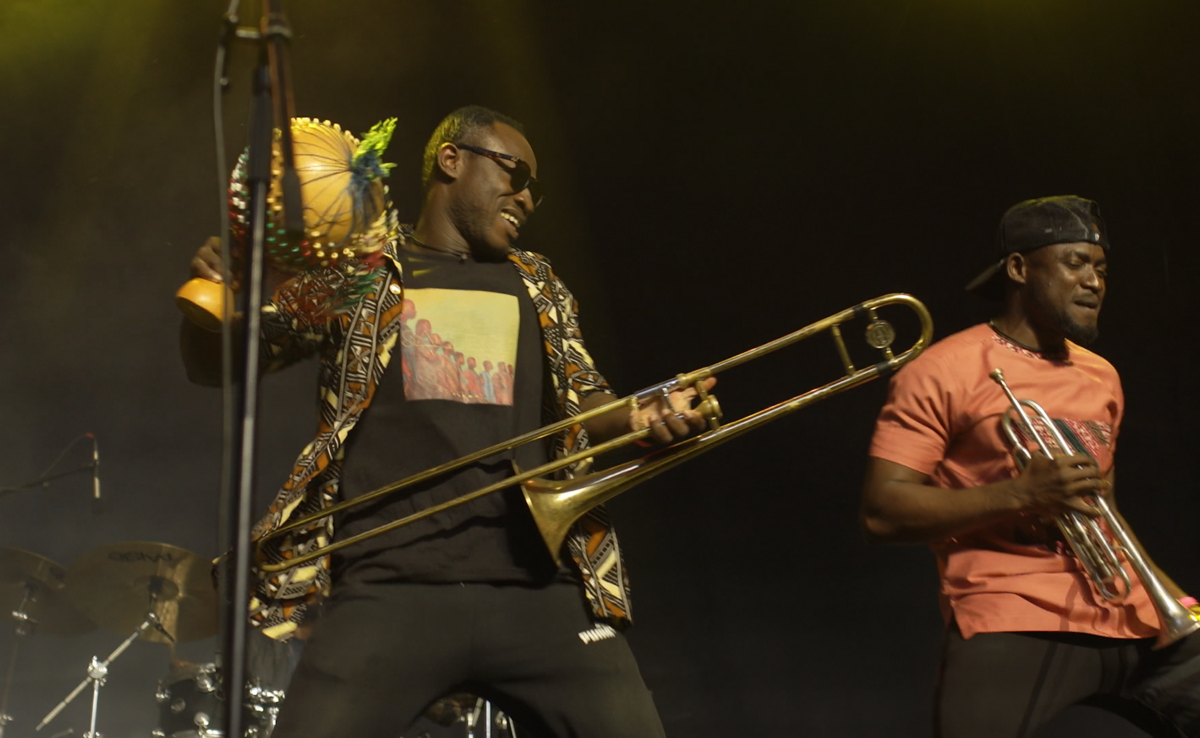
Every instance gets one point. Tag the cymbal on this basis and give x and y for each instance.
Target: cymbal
(40, 584)
(117, 585)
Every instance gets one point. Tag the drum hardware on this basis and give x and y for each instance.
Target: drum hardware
(191, 702)
(481, 705)
(473, 712)
(450, 709)
(262, 704)
(188, 701)
(556, 505)
(490, 719)
(97, 674)
(1094, 549)
(24, 627)
(165, 590)
(32, 595)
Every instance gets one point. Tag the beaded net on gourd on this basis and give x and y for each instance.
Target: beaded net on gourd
(347, 217)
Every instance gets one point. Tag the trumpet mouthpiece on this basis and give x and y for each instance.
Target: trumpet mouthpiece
(997, 374)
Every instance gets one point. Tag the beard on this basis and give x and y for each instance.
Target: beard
(1058, 321)
(1084, 335)
(474, 224)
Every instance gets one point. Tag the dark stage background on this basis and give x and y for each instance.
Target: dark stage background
(721, 174)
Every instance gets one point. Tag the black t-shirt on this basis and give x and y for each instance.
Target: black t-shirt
(466, 373)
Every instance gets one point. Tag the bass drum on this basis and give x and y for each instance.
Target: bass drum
(191, 704)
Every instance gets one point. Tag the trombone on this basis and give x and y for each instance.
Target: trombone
(1097, 554)
(556, 505)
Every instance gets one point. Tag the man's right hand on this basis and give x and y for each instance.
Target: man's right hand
(1059, 485)
(900, 505)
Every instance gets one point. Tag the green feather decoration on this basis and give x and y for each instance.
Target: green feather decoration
(369, 154)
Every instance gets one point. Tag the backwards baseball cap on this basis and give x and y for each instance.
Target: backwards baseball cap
(1033, 224)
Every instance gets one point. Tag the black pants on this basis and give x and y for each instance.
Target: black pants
(1007, 685)
(381, 653)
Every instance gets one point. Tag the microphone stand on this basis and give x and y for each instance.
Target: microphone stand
(272, 108)
(45, 480)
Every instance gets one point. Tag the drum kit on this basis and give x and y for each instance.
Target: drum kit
(476, 715)
(163, 594)
(150, 591)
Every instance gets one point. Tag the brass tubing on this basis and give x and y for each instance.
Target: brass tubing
(1092, 546)
(708, 407)
(602, 486)
(518, 478)
(847, 364)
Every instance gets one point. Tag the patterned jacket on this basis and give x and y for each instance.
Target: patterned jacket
(355, 347)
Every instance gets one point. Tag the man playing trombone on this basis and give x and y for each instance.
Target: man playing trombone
(1029, 632)
(486, 346)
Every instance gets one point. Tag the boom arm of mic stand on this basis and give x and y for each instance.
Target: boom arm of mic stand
(49, 477)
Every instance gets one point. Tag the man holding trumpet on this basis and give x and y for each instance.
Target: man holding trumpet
(1028, 633)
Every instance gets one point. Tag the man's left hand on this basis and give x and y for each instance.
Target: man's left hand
(669, 424)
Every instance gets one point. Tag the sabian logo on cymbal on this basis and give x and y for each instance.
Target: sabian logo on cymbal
(135, 556)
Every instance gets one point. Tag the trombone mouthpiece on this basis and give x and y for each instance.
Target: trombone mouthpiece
(997, 374)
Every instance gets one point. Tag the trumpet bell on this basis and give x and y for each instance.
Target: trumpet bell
(1099, 556)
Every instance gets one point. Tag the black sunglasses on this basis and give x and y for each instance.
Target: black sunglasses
(521, 174)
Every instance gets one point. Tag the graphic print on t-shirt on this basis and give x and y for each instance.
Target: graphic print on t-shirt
(1084, 436)
(459, 345)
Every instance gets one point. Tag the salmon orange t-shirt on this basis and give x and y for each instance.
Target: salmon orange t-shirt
(943, 419)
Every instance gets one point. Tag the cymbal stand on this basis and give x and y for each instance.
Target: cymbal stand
(97, 672)
(25, 626)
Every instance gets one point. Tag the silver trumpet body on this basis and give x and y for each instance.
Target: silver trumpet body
(1099, 551)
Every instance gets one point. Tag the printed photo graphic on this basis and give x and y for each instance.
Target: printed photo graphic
(459, 345)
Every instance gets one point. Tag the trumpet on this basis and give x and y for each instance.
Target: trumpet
(556, 504)
(1099, 555)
